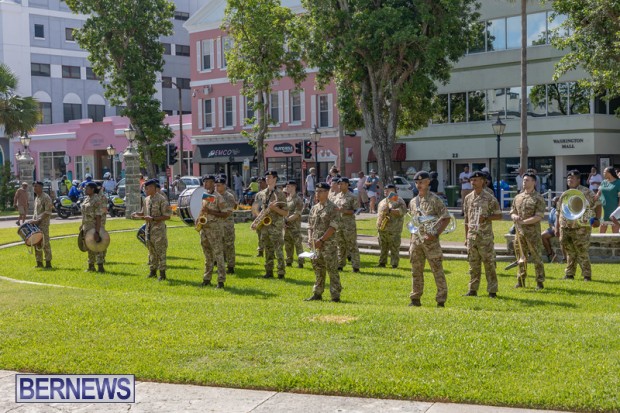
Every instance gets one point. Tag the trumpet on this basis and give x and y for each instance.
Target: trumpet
(475, 224)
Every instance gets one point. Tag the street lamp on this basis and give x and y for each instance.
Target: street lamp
(25, 140)
(130, 134)
(498, 128)
(111, 152)
(315, 136)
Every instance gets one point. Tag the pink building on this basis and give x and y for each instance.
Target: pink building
(80, 147)
(219, 111)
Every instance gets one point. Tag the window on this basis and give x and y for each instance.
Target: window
(181, 15)
(52, 165)
(70, 72)
(40, 69)
(229, 112)
(208, 114)
(440, 109)
(72, 111)
(579, 99)
(274, 108)
(90, 75)
(457, 107)
(557, 95)
(513, 102)
(496, 103)
(39, 31)
(476, 106)
(181, 50)
(46, 112)
(296, 106)
(478, 42)
(96, 112)
(496, 30)
(169, 112)
(69, 34)
(513, 32)
(537, 101)
(206, 52)
(166, 82)
(249, 111)
(323, 111)
(183, 82)
(167, 48)
(226, 46)
(554, 23)
(536, 29)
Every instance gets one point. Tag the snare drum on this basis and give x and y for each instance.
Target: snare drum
(141, 235)
(31, 234)
(190, 204)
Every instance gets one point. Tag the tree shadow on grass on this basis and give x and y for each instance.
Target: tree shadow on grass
(531, 302)
(575, 291)
(180, 258)
(249, 292)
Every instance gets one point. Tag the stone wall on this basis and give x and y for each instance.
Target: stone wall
(603, 247)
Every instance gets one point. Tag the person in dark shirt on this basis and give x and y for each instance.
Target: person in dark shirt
(434, 186)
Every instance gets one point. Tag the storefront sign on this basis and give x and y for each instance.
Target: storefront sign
(283, 148)
(223, 153)
(567, 143)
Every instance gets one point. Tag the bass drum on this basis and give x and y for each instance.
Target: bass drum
(141, 235)
(190, 204)
(30, 234)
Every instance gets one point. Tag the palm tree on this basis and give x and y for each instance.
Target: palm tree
(17, 114)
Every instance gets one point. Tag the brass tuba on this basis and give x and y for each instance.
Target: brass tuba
(574, 206)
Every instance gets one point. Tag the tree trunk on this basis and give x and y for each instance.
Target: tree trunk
(263, 124)
(523, 143)
(342, 155)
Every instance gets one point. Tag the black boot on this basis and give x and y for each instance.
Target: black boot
(520, 283)
(315, 297)
(48, 264)
(219, 285)
(230, 270)
(100, 268)
(540, 286)
(39, 264)
(152, 274)
(91, 268)
(415, 302)
(162, 275)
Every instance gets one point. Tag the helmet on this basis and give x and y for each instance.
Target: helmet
(75, 182)
(253, 179)
(88, 176)
(107, 175)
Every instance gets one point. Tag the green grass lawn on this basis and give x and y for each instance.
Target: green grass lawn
(558, 348)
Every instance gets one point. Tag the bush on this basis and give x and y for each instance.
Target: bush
(7, 189)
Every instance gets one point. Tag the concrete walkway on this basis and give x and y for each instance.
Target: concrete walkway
(176, 398)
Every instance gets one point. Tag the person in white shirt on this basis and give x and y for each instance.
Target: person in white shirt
(465, 185)
(594, 179)
(310, 185)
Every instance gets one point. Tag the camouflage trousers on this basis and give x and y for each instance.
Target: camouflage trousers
(389, 243)
(347, 245)
(45, 247)
(94, 257)
(324, 264)
(292, 243)
(229, 244)
(481, 251)
(531, 244)
(418, 254)
(272, 238)
(158, 247)
(576, 243)
(261, 243)
(213, 250)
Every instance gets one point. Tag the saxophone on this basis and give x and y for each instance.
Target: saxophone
(384, 217)
(263, 219)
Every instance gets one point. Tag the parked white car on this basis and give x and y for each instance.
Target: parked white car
(191, 181)
(404, 189)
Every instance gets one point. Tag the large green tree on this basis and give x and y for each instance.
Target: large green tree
(17, 114)
(391, 52)
(122, 38)
(593, 42)
(264, 50)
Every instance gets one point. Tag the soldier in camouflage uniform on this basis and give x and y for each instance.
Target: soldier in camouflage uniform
(575, 234)
(322, 227)
(42, 213)
(481, 208)
(334, 189)
(292, 225)
(155, 212)
(256, 206)
(393, 209)
(215, 210)
(229, 223)
(425, 243)
(347, 204)
(274, 199)
(92, 211)
(528, 209)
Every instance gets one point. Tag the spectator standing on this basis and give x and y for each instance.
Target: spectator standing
(465, 186)
(20, 202)
(362, 194)
(238, 185)
(372, 186)
(310, 185)
(608, 193)
(594, 179)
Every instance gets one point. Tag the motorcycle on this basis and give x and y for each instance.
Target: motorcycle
(116, 206)
(65, 207)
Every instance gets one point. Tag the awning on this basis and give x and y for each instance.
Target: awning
(399, 153)
(225, 152)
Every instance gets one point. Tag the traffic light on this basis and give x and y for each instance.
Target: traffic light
(307, 149)
(172, 154)
(298, 148)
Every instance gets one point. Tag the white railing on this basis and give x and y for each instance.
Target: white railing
(548, 196)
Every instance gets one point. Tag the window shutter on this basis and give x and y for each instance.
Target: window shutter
(198, 56)
(201, 113)
(313, 111)
(302, 97)
(330, 113)
(242, 111)
(234, 111)
(218, 47)
(286, 107)
(220, 112)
